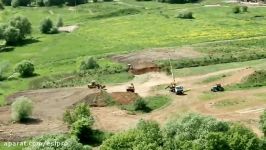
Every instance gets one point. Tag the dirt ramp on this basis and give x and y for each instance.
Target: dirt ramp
(125, 97)
(99, 99)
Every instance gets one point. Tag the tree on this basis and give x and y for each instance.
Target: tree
(11, 35)
(263, 122)
(25, 68)
(23, 24)
(21, 109)
(215, 141)
(240, 138)
(46, 25)
(147, 136)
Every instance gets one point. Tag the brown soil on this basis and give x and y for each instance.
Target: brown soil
(99, 99)
(49, 106)
(125, 97)
(144, 61)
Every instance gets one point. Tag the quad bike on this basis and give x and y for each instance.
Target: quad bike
(217, 88)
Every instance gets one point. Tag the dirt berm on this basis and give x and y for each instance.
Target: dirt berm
(102, 98)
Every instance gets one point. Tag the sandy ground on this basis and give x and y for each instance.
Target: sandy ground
(49, 105)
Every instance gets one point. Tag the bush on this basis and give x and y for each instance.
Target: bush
(141, 105)
(21, 109)
(88, 63)
(244, 8)
(11, 35)
(79, 112)
(54, 30)
(23, 24)
(64, 142)
(185, 15)
(82, 129)
(60, 22)
(236, 9)
(46, 25)
(25, 68)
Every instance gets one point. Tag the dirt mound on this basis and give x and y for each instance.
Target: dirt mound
(125, 97)
(100, 99)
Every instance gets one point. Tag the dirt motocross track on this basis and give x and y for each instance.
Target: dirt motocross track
(50, 104)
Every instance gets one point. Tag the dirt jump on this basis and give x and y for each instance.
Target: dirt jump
(50, 104)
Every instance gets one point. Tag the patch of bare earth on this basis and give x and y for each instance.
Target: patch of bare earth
(49, 106)
(144, 61)
(68, 28)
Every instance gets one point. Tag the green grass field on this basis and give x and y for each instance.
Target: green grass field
(125, 26)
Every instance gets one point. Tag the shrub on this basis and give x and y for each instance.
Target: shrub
(245, 8)
(25, 68)
(60, 22)
(64, 142)
(185, 15)
(236, 9)
(21, 109)
(46, 25)
(23, 24)
(82, 129)
(88, 63)
(79, 112)
(54, 30)
(11, 35)
(15, 3)
(141, 105)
